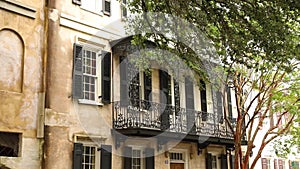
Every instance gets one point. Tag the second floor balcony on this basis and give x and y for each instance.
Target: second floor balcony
(152, 116)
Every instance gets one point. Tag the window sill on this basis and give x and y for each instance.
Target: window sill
(90, 102)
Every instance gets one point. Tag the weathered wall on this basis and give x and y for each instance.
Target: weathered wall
(21, 72)
(64, 116)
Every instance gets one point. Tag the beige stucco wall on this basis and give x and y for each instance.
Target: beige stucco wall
(21, 84)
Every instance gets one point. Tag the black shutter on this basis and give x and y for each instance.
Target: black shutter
(149, 153)
(77, 2)
(77, 155)
(127, 157)
(147, 90)
(203, 100)
(176, 96)
(189, 98)
(229, 103)
(105, 159)
(208, 161)
(220, 107)
(106, 7)
(106, 77)
(165, 87)
(77, 72)
(224, 164)
(124, 97)
(165, 99)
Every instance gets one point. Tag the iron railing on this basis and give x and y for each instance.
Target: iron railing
(156, 116)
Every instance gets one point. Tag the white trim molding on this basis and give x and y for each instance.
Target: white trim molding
(17, 7)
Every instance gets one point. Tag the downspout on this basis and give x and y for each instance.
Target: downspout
(51, 24)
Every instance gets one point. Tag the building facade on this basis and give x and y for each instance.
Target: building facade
(22, 90)
(75, 100)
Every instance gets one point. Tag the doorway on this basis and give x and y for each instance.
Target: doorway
(176, 165)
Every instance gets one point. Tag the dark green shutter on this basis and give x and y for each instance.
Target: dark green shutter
(124, 97)
(176, 96)
(165, 84)
(165, 99)
(147, 90)
(203, 100)
(77, 72)
(224, 164)
(229, 103)
(77, 155)
(127, 157)
(105, 159)
(220, 107)
(189, 98)
(208, 161)
(106, 77)
(149, 153)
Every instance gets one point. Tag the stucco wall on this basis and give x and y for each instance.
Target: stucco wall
(21, 60)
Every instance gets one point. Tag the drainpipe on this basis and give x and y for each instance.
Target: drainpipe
(51, 27)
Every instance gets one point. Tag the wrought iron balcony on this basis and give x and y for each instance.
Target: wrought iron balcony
(141, 114)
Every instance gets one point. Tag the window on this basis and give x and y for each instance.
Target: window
(176, 156)
(136, 85)
(90, 156)
(265, 163)
(124, 8)
(214, 162)
(106, 7)
(10, 144)
(138, 158)
(89, 82)
(92, 5)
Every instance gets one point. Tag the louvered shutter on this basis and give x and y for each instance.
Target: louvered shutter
(105, 159)
(149, 153)
(147, 90)
(229, 103)
(189, 98)
(106, 77)
(77, 72)
(203, 100)
(224, 164)
(127, 157)
(176, 96)
(77, 155)
(165, 99)
(220, 107)
(208, 161)
(124, 97)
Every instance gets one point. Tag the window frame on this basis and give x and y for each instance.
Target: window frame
(142, 164)
(98, 6)
(124, 9)
(98, 78)
(96, 156)
(18, 148)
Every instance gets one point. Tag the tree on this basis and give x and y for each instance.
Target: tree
(254, 43)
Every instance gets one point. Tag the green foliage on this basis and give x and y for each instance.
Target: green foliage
(246, 32)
